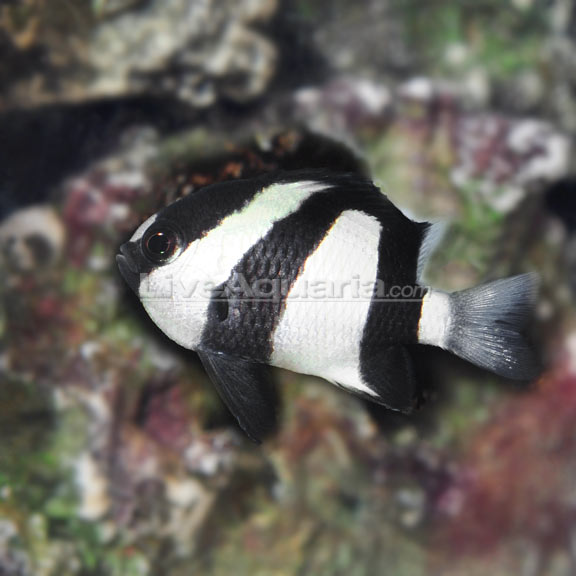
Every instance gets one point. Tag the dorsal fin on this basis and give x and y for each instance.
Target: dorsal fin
(431, 238)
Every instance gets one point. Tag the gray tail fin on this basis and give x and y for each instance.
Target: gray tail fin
(487, 324)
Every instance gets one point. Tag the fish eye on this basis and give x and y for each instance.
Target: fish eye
(161, 244)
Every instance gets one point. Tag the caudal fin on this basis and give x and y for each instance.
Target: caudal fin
(485, 325)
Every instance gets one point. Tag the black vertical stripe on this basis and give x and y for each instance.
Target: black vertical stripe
(248, 327)
(393, 322)
(257, 287)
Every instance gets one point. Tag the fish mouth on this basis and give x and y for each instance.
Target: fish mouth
(128, 268)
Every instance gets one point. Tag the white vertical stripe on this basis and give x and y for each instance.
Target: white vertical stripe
(207, 262)
(320, 331)
(434, 324)
(224, 246)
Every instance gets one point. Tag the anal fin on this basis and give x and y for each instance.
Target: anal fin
(246, 389)
(391, 377)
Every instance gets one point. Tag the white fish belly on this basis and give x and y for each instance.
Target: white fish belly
(321, 327)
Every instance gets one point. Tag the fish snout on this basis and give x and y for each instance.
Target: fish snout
(128, 267)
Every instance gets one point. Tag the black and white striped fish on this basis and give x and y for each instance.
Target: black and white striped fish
(317, 273)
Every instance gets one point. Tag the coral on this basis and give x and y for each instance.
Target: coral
(515, 480)
(508, 157)
(198, 51)
(343, 106)
(32, 238)
(194, 50)
(13, 561)
(97, 203)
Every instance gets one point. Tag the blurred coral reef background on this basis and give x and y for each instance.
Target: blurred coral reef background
(116, 456)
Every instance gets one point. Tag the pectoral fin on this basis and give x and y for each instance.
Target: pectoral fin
(246, 389)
